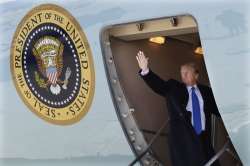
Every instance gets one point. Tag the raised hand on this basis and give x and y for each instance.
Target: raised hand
(142, 60)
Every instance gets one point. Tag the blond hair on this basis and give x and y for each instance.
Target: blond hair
(191, 65)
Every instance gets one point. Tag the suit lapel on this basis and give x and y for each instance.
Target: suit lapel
(185, 96)
(184, 101)
(201, 90)
(204, 97)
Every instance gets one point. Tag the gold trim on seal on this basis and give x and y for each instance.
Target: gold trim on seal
(77, 109)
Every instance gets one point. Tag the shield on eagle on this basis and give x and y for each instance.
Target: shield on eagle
(48, 53)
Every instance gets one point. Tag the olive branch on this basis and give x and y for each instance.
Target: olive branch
(40, 81)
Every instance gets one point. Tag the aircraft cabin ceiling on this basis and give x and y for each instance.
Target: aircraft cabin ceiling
(174, 27)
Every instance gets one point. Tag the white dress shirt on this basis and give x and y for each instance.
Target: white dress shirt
(144, 72)
(201, 102)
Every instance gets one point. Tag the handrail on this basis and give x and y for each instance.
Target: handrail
(218, 154)
(150, 144)
(153, 132)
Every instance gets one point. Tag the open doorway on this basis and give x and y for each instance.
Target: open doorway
(142, 112)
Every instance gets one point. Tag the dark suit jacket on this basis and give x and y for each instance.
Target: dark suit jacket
(186, 147)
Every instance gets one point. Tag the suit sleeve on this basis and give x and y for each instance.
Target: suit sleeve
(157, 84)
(214, 108)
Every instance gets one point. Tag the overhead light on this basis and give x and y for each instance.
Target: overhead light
(158, 40)
(198, 50)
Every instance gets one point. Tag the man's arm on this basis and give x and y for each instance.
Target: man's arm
(157, 84)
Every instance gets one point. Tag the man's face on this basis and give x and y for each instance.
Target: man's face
(188, 75)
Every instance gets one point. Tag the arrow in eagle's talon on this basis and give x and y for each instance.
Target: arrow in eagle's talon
(67, 75)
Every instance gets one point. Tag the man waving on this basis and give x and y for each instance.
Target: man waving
(190, 105)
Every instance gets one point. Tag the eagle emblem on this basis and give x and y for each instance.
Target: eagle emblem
(52, 66)
(48, 54)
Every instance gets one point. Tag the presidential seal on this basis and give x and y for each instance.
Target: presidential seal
(52, 65)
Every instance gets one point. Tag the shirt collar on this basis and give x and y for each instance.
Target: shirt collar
(189, 87)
